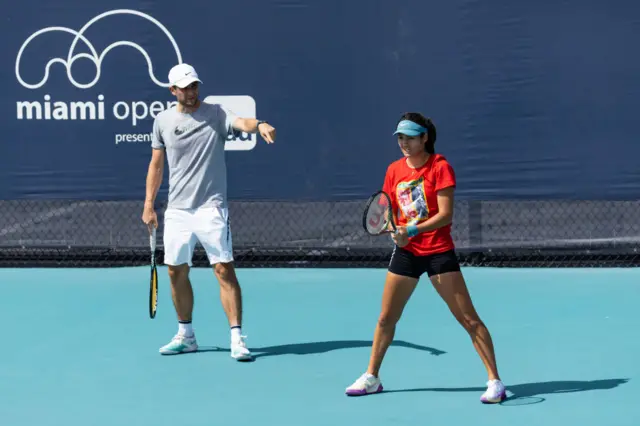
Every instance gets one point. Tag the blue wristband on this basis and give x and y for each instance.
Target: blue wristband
(412, 230)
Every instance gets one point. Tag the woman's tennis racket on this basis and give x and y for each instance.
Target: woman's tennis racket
(153, 286)
(378, 215)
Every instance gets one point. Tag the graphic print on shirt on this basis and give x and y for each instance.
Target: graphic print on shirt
(412, 201)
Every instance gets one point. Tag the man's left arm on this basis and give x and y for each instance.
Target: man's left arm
(253, 125)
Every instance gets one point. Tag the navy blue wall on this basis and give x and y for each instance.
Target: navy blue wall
(531, 99)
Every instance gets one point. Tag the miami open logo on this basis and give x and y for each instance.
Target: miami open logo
(94, 56)
(136, 112)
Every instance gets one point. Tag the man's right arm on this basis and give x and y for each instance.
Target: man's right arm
(156, 165)
(154, 177)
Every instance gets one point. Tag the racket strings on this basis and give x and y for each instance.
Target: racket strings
(378, 214)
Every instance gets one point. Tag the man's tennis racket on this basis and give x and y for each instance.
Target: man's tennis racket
(153, 286)
(378, 215)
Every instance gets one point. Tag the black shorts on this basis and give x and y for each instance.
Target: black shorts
(407, 264)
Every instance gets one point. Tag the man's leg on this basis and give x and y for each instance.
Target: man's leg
(231, 298)
(182, 296)
(230, 293)
(214, 233)
(179, 243)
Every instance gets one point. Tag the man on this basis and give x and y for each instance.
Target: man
(193, 134)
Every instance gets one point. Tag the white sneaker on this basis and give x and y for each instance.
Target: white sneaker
(180, 344)
(239, 349)
(495, 392)
(365, 385)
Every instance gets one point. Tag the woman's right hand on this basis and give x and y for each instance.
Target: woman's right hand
(401, 237)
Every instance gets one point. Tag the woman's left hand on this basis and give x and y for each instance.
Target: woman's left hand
(401, 237)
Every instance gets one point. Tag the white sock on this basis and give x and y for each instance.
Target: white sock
(185, 329)
(236, 332)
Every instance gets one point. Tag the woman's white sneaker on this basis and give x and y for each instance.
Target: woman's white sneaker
(365, 385)
(495, 393)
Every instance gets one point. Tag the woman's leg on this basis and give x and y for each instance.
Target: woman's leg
(452, 287)
(396, 294)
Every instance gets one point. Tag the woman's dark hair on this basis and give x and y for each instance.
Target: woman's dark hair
(425, 122)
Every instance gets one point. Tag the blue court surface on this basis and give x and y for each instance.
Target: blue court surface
(80, 349)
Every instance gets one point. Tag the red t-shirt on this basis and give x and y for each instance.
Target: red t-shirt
(414, 199)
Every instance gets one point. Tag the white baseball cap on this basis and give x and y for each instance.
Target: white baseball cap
(183, 75)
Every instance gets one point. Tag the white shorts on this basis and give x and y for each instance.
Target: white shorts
(207, 225)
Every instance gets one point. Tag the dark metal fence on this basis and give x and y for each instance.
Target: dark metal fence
(517, 233)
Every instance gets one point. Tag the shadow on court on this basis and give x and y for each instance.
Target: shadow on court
(531, 390)
(313, 348)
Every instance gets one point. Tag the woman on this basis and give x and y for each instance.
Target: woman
(421, 187)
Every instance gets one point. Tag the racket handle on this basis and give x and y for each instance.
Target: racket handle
(152, 239)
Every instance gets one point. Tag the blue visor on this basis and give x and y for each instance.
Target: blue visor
(409, 128)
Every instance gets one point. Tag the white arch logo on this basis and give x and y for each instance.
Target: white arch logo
(93, 56)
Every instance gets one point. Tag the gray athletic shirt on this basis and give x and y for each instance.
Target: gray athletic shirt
(194, 147)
